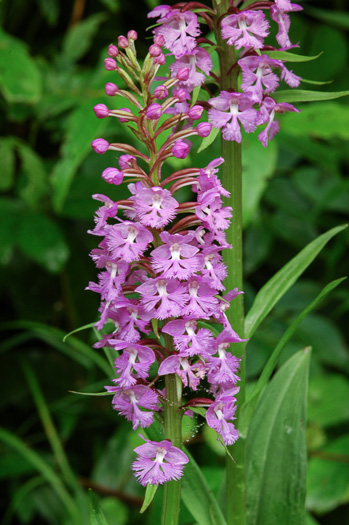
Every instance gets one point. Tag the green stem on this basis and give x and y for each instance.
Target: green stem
(232, 181)
(173, 431)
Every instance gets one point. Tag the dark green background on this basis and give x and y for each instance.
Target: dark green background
(51, 76)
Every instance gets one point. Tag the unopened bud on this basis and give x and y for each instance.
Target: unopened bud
(122, 42)
(161, 59)
(110, 64)
(132, 35)
(204, 129)
(123, 119)
(182, 74)
(111, 89)
(125, 161)
(180, 149)
(101, 110)
(195, 112)
(113, 176)
(161, 92)
(182, 94)
(154, 111)
(113, 50)
(159, 40)
(100, 146)
(155, 50)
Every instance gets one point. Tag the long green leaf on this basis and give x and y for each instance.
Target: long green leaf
(96, 514)
(49, 427)
(45, 470)
(74, 348)
(302, 95)
(249, 406)
(149, 496)
(290, 57)
(197, 496)
(278, 285)
(276, 450)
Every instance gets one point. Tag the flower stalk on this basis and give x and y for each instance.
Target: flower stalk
(232, 181)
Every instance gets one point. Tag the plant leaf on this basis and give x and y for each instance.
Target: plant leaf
(249, 406)
(45, 470)
(20, 79)
(290, 57)
(79, 37)
(207, 141)
(197, 496)
(148, 498)
(96, 514)
(278, 285)
(302, 95)
(276, 450)
(85, 327)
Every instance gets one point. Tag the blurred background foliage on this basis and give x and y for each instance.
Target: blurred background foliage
(55, 443)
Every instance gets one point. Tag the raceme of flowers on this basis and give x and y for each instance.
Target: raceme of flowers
(160, 263)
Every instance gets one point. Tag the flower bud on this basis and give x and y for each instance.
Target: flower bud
(101, 110)
(180, 149)
(113, 176)
(161, 92)
(159, 40)
(110, 64)
(123, 119)
(125, 161)
(155, 50)
(182, 94)
(195, 112)
(132, 35)
(204, 129)
(161, 59)
(182, 74)
(122, 42)
(113, 50)
(154, 111)
(100, 145)
(111, 89)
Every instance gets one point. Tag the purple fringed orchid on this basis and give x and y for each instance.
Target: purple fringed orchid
(161, 272)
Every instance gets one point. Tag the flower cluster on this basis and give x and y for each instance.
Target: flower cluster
(161, 273)
(245, 28)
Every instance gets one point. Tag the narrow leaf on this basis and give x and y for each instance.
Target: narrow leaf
(316, 82)
(275, 448)
(96, 514)
(248, 408)
(92, 393)
(148, 498)
(195, 96)
(301, 95)
(278, 285)
(85, 327)
(45, 470)
(290, 57)
(207, 141)
(197, 496)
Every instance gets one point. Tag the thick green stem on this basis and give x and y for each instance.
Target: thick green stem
(173, 430)
(232, 181)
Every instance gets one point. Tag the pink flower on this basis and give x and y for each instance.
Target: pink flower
(245, 29)
(166, 297)
(128, 240)
(200, 59)
(179, 31)
(154, 207)
(158, 462)
(134, 362)
(189, 374)
(278, 13)
(267, 114)
(176, 257)
(128, 401)
(229, 110)
(218, 415)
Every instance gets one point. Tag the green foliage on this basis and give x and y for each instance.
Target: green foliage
(276, 452)
(51, 76)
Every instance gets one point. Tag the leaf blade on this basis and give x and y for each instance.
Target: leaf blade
(275, 448)
(278, 285)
